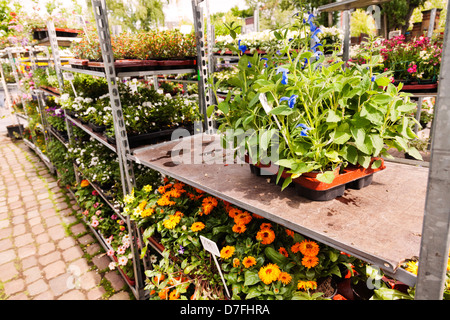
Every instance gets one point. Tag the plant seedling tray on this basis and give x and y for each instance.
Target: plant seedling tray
(307, 185)
(131, 65)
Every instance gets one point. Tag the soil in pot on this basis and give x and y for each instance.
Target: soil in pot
(328, 286)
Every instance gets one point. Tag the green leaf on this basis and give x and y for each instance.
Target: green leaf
(224, 107)
(381, 98)
(372, 114)
(288, 163)
(341, 137)
(254, 100)
(251, 278)
(377, 143)
(282, 110)
(382, 81)
(350, 153)
(286, 182)
(364, 160)
(326, 177)
(210, 110)
(363, 142)
(412, 151)
(252, 293)
(376, 164)
(333, 117)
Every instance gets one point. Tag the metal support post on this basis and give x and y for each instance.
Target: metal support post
(346, 44)
(16, 78)
(57, 65)
(123, 149)
(204, 93)
(432, 23)
(434, 250)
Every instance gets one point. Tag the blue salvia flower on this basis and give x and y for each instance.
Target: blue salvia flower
(291, 100)
(249, 65)
(284, 80)
(304, 132)
(265, 63)
(372, 79)
(243, 48)
(181, 251)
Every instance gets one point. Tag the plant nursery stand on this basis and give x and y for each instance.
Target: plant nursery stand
(380, 223)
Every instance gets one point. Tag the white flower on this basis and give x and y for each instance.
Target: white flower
(112, 265)
(122, 261)
(153, 258)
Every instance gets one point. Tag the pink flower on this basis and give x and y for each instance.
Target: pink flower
(121, 250)
(98, 212)
(122, 261)
(110, 252)
(94, 223)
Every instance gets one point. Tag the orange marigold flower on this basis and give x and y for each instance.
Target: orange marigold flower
(165, 201)
(197, 226)
(295, 247)
(265, 225)
(147, 212)
(142, 205)
(179, 185)
(269, 273)
(256, 216)
(163, 294)
(84, 183)
(243, 217)
(266, 236)
(309, 248)
(310, 261)
(239, 228)
(233, 212)
(171, 222)
(290, 233)
(339, 297)
(283, 251)
(285, 277)
(227, 252)
(198, 190)
(208, 204)
(249, 261)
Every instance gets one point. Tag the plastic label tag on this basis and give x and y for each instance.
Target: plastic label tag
(210, 246)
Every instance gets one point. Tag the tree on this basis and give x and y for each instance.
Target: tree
(398, 13)
(136, 14)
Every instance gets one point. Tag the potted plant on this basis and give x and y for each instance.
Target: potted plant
(327, 116)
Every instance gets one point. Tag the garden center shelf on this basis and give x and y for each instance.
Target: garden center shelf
(380, 224)
(58, 136)
(97, 136)
(41, 155)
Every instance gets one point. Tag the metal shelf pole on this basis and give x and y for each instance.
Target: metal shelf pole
(434, 250)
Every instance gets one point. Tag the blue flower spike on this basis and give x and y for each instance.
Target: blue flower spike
(265, 63)
(304, 132)
(243, 48)
(372, 79)
(249, 65)
(291, 100)
(284, 80)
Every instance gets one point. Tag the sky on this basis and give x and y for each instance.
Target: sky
(186, 6)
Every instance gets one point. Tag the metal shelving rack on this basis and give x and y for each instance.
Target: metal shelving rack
(122, 148)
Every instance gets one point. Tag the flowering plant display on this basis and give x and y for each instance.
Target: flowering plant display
(57, 153)
(143, 45)
(100, 217)
(418, 60)
(260, 259)
(326, 115)
(268, 40)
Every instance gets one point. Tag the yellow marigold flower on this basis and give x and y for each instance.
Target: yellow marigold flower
(309, 248)
(306, 285)
(174, 295)
(236, 262)
(412, 267)
(171, 222)
(148, 188)
(266, 236)
(147, 212)
(142, 205)
(310, 261)
(197, 226)
(285, 277)
(84, 183)
(249, 261)
(227, 252)
(239, 228)
(269, 273)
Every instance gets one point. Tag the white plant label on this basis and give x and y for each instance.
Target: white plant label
(210, 246)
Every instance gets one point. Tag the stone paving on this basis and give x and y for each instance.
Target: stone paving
(46, 251)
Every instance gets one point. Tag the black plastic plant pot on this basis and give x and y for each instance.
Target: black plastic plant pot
(96, 127)
(15, 131)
